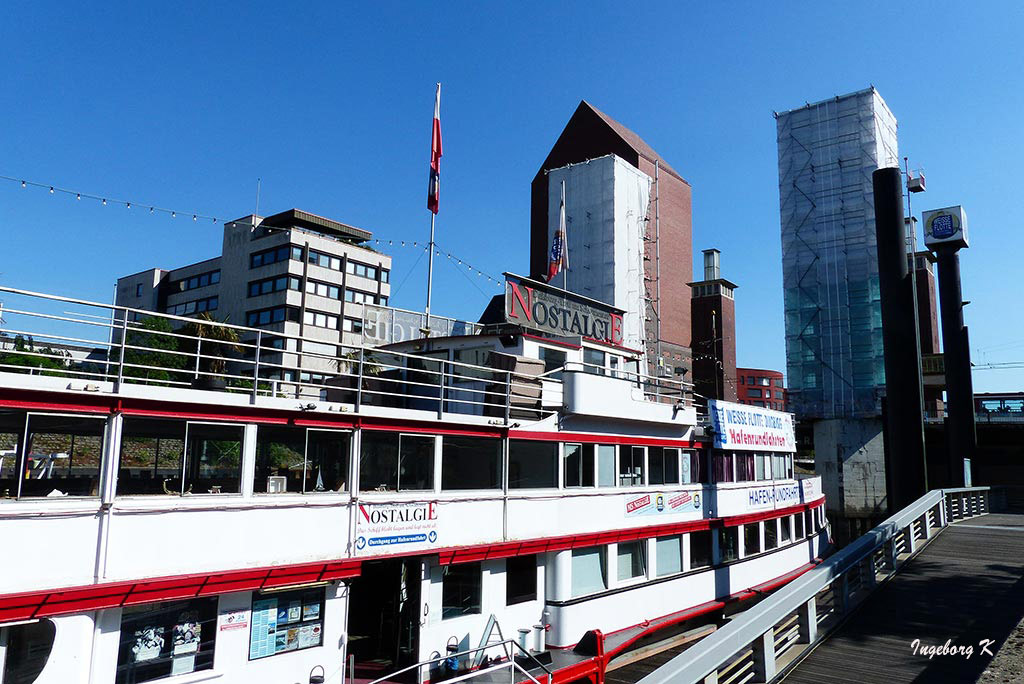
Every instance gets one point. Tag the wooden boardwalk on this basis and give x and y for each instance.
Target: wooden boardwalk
(967, 586)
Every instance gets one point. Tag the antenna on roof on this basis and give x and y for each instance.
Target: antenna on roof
(258, 182)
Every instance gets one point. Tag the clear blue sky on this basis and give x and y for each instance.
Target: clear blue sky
(185, 105)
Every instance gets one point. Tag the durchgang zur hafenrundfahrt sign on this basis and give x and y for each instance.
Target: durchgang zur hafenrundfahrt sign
(538, 306)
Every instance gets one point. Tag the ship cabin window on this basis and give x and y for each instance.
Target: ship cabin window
(61, 457)
(12, 430)
(579, 465)
(701, 555)
(751, 539)
(691, 471)
(554, 361)
(298, 460)
(631, 466)
(163, 639)
(785, 531)
(763, 466)
(461, 589)
(520, 579)
(782, 466)
(664, 464)
(470, 463)
(668, 552)
(744, 467)
(152, 452)
(532, 465)
(25, 650)
(771, 534)
(594, 361)
(605, 465)
(393, 462)
(809, 522)
(631, 560)
(286, 621)
(213, 459)
(589, 573)
(723, 467)
(798, 525)
(728, 544)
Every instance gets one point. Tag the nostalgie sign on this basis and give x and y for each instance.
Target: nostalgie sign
(402, 525)
(535, 305)
(739, 427)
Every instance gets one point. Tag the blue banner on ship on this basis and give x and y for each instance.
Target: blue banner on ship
(738, 427)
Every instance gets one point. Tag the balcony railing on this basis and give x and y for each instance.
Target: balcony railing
(58, 336)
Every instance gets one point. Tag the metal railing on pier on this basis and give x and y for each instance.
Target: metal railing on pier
(756, 645)
(490, 672)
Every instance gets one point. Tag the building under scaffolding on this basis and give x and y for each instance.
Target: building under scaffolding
(834, 355)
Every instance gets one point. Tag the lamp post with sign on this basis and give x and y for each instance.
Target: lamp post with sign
(945, 233)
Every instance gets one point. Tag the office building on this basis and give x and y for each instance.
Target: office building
(293, 273)
(761, 387)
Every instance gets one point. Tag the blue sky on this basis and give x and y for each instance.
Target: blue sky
(184, 105)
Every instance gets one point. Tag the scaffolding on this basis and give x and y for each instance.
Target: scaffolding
(827, 153)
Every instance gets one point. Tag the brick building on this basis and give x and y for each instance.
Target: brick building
(713, 309)
(668, 255)
(760, 387)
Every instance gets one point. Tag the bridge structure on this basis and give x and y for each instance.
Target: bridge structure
(927, 596)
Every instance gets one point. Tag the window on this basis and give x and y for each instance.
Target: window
(809, 522)
(588, 571)
(12, 427)
(691, 469)
(286, 621)
(152, 452)
(461, 588)
(324, 260)
(756, 393)
(196, 306)
(579, 465)
(520, 579)
(700, 549)
(594, 361)
(268, 316)
(778, 382)
(327, 458)
(632, 560)
(631, 466)
(323, 289)
(744, 467)
(778, 394)
(308, 460)
(605, 465)
(62, 456)
(798, 524)
(213, 459)
(392, 462)
(470, 463)
(163, 639)
(751, 380)
(360, 297)
(554, 359)
(723, 467)
(532, 465)
(728, 544)
(385, 275)
(664, 464)
(27, 650)
(751, 539)
(138, 290)
(759, 464)
(785, 533)
(278, 284)
(274, 255)
(668, 555)
(192, 282)
(741, 380)
(320, 320)
(764, 382)
(362, 270)
(352, 325)
(771, 534)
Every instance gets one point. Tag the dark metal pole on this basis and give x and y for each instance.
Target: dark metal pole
(961, 437)
(905, 462)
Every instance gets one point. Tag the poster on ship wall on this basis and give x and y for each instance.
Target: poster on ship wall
(663, 503)
(400, 526)
(738, 427)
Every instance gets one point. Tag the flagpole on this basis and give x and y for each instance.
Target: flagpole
(430, 269)
(565, 247)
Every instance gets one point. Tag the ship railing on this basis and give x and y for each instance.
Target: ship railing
(510, 663)
(82, 340)
(657, 389)
(766, 640)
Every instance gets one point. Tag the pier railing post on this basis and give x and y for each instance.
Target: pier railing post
(764, 657)
(807, 620)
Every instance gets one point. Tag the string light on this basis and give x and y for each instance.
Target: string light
(79, 195)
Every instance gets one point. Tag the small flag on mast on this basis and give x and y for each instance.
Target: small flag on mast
(434, 187)
(559, 258)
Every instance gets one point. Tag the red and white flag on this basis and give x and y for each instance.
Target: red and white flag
(434, 187)
(559, 258)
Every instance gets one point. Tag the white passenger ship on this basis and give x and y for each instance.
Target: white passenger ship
(398, 510)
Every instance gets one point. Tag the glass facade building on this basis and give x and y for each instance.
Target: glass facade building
(827, 153)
